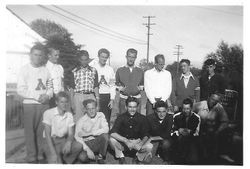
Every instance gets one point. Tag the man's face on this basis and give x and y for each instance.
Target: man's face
(103, 57)
(184, 67)
(161, 112)
(53, 56)
(91, 110)
(84, 60)
(213, 100)
(131, 57)
(160, 64)
(37, 57)
(132, 108)
(186, 109)
(210, 69)
(62, 103)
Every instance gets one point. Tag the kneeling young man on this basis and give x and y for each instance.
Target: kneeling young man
(60, 146)
(92, 132)
(129, 134)
(160, 125)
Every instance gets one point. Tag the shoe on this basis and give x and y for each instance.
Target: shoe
(135, 161)
(122, 160)
(100, 161)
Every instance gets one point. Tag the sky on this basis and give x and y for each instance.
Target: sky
(199, 29)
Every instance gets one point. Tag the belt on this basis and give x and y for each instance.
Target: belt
(125, 97)
(84, 92)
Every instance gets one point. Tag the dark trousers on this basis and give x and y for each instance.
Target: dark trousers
(186, 149)
(104, 101)
(52, 101)
(33, 129)
(98, 146)
(163, 148)
(149, 108)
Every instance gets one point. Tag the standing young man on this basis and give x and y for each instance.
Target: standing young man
(211, 82)
(60, 145)
(85, 85)
(35, 86)
(56, 72)
(129, 80)
(158, 84)
(106, 79)
(184, 85)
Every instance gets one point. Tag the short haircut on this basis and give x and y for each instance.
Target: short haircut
(103, 50)
(86, 102)
(131, 50)
(158, 57)
(62, 94)
(185, 61)
(38, 46)
(209, 62)
(188, 101)
(84, 53)
(161, 104)
(131, 99)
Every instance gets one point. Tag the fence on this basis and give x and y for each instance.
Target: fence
(14, 112)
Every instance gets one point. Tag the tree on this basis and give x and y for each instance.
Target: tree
(57, 36)
(144, 65)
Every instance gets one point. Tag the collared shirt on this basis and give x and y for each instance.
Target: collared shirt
(32, 82)
(96, 126)
(157, 84)
(106, 78)
(131, 127)
(214, 119)
(181, 121)
(60, 124)
(85, 79)
(158, 127)
(186, 78)
(130, 80)
(56, 72)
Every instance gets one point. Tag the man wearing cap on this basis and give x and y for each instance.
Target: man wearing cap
(129, 80)
(85, 85)
(211, 82)
(184, 85)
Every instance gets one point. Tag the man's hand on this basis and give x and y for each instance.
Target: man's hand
(129, 144)
(44, 98)
(140, 88)
(67, 147)
(138, 146)
(184, 131)
(111, 103)
(90, 153)
(121, 88)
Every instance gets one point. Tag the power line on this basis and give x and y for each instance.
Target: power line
(148, 34)
(66, 11)
(91, 27)
(178, 53)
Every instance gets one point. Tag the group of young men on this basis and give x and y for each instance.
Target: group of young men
(72, 124)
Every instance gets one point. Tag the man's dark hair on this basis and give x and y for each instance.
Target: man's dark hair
(50, 50)
(185, 61)
(84, 53)
(188, 101)
(103, 50)
(157, 57)
(86, 102)
(62, 94)
(209, 62)
(131, 99)
(38, 46)
(161, 104)
(131, 50)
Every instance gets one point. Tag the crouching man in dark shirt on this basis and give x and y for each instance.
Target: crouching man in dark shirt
(185, 133)
(129, 135)
(160, 125)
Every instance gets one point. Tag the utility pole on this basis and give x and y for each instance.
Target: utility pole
(148, 34)
(178, 53)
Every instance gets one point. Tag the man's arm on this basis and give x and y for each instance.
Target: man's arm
(50, 143)
(104, 127)
(148, 87)
(96, 90)
(167, 94)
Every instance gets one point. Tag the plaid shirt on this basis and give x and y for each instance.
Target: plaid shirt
(85, 79)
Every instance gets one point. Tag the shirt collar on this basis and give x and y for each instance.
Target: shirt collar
(158, 71)
(56, 113)
(127, 113)
(190, 75)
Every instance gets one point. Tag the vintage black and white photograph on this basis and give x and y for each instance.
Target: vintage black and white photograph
(124, 84)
